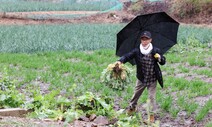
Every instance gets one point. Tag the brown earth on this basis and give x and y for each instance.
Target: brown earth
(49, 12)
(20, 18)
(198, 19)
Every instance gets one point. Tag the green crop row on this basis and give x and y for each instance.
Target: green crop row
(69, 37)
(57, 37)
(191, 33)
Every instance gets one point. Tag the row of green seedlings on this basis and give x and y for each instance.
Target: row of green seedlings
(184, 103)
(85, 37)
(181, 54)
(65, 107)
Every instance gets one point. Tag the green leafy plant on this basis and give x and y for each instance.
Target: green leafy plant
(9, 95)
(72, 114)
(55, 106)
(91, 103)
(128, 121)
(43, 106)
(5, 82)
(11, 98)
(116, 76)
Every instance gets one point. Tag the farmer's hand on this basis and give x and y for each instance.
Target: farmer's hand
(157, 56)
(117, 69)
(118, 62)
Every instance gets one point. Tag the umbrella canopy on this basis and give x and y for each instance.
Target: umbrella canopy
(162, 27)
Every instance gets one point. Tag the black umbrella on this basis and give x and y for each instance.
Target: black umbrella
(162, 27)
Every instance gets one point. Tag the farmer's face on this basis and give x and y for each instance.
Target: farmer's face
(145, 41)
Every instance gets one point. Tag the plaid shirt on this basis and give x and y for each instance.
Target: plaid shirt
(138, 56)
(147, 66)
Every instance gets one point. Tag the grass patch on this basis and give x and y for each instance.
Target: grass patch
(204, 111)
(183, 69)
(174, 111)
(195, 61)
(209, 124)
(51, 68)
(193, 88)
(173, 57)
(204, 72)
(196, 85)
(177, 83)
(166, 103)
(187, 105)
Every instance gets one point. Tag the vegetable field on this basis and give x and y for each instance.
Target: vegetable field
(82, 37)
(57, 58)
(53, 68)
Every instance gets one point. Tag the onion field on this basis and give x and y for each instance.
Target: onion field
(82, 37)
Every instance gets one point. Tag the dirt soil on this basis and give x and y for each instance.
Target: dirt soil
(20, 18)
(26, 122)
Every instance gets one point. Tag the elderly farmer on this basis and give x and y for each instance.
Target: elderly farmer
(147, 58)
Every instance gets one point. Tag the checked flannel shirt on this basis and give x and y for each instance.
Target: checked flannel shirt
(147, 66)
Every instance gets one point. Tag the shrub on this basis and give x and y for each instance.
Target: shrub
(189, 8)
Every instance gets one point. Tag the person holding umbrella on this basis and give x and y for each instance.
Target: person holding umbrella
(146, 58)
(142, 42)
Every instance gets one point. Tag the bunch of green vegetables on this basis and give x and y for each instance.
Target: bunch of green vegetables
(116, 76)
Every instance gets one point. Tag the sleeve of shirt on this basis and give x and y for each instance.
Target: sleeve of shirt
(129, 56)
